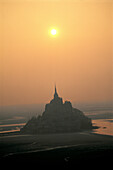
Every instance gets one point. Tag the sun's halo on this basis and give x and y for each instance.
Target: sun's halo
(53, 31)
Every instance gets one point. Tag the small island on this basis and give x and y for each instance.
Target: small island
(58, 117)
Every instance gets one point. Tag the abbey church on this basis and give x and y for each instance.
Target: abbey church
(58, 117)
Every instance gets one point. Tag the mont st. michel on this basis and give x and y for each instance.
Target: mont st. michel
(58, 117)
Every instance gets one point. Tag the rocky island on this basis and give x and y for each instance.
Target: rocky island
(58, 117)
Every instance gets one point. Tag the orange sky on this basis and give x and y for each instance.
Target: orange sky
(78, 60)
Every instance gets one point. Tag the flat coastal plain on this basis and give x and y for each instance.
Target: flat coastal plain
(59, 150)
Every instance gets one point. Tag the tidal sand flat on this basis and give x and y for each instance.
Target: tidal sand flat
(57, 149)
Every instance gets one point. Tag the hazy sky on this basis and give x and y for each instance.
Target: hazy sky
(78, 59)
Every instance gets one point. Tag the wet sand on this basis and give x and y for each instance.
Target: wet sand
(57, 149)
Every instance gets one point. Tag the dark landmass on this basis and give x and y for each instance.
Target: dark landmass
(81, 149)
(61, 137)
(58, 117)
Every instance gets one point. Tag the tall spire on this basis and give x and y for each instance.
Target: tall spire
(55, 89)
(55, 95)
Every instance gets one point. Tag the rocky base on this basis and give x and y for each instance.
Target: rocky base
(58, 117)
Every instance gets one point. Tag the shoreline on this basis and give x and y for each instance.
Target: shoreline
(18, 131)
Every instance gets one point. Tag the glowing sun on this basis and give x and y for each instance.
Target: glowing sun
(53, 31)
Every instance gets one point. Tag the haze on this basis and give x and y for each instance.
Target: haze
(78, 59)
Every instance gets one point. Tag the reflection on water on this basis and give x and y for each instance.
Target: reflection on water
(105, 126)
(20, 124)
(11, 127)
(100, 116)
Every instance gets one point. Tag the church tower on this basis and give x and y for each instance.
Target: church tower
(56, 99)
